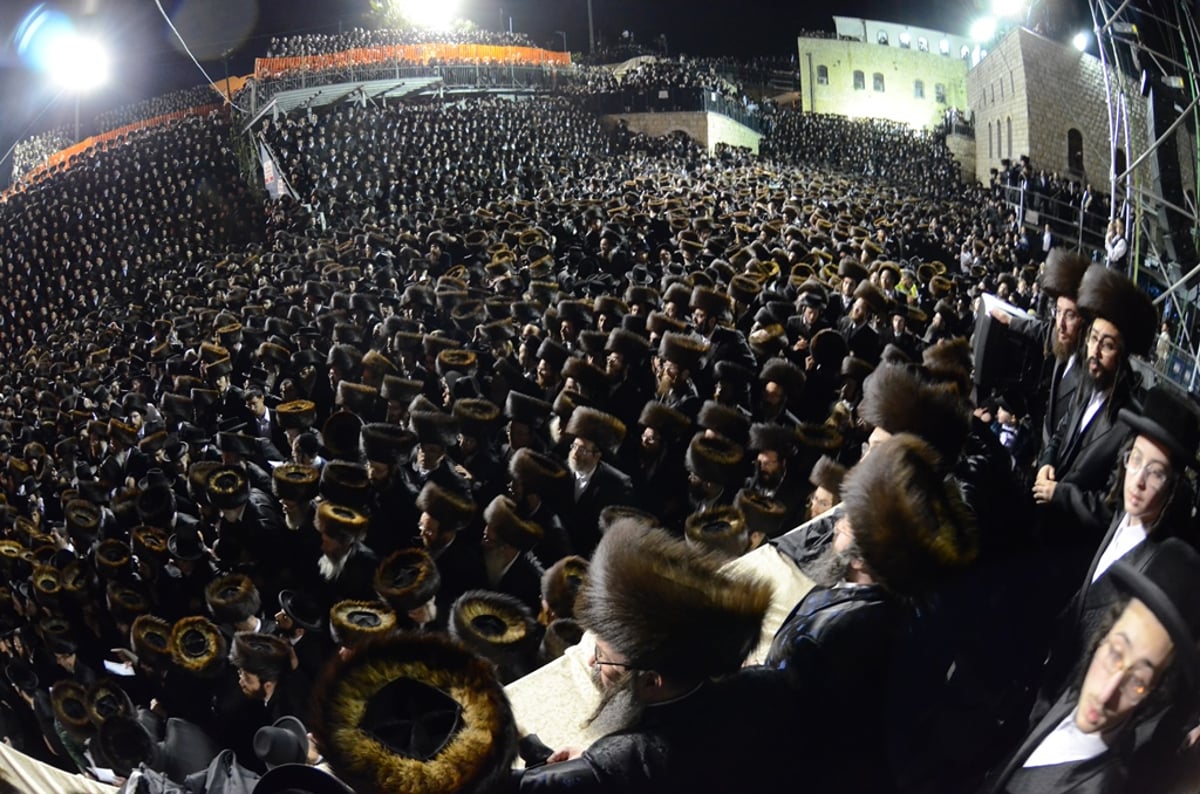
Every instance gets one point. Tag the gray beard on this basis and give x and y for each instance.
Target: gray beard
(331, 569)
(830, 567)
(618, 709)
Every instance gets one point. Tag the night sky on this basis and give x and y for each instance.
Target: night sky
(148, 62)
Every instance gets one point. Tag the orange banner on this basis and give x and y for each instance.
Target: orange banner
(64, 158)
(268, 68)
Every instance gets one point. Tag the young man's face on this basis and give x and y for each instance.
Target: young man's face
(1147, 479)
(1124, 670)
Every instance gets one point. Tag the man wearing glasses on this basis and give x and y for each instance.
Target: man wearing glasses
(1156, 499)
(1072, 481)
(1145, 660)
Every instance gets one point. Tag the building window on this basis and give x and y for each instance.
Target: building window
(877, 81)
(882, 37)
(922, 44)
(1075, 150)
(1119, 161)
(860, 80)
(990, 155)
(1001, 89)
(993, 87)
(905, 40)
(965, 53)
(1008, 123)
(999, 140)
(939, 93)
(822, 75)
(918, 89)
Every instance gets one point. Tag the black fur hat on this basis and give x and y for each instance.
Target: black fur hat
(720, 529)
(498, 627)
(414, 713)
(263, 655)
(763, 514)
(450, 509)
(540, 474)
(386, 443)
(561, 583)
(726, 420)
(715, 460)
(232, 598)
(704, 623)
(1107, 294)
(352, 623)
(296, 482)
(508, 527)
(407, 580)
(1063, 272)
(895, 399)
(345, 483)
(909, 521)
(198, 646)
(604, 430)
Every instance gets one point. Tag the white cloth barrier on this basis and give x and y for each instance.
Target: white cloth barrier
(30, 776)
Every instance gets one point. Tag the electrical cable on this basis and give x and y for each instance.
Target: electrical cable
(207, 77)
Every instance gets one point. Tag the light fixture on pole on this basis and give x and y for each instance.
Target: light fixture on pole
(1080, 41)
(78, 64)
(563, 33)
(982, 30)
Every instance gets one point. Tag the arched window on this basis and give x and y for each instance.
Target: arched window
(860, 80)
(1075, 150)
(999, 139)
(990, 155)
(918, 89)
(922, 44)
(877, 81)
(822, 75)
(1008, 122)
(882, 37)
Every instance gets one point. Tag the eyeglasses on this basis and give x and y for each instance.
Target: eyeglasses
(598, 661)
(1135, 685)
(1105, 343)
(585, 448)
(1135, 465)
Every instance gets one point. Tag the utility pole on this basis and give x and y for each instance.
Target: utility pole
(591, 29)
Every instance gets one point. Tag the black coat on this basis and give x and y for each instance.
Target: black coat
(608, 486)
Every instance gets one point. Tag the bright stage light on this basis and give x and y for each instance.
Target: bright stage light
(429, 14)
(1080, 41)
(77, 62)
(982, 30)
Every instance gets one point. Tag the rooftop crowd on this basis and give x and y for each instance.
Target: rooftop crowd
(364, 38)
(292, 487)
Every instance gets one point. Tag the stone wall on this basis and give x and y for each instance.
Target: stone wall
(962, 148)
(900, 69)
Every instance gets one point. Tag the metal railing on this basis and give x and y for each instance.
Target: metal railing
(1069, 221)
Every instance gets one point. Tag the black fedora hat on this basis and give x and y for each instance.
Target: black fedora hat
(299, 779)
(1168, 583)
(1171, 421)
(302, 609)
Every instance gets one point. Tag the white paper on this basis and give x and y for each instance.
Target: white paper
(118, 668)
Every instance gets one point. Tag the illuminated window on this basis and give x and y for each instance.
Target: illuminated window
(877, 81)
(860, 81)
(905, 40)
(882, 37)
(922, 44)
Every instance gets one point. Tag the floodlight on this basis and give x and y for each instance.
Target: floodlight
(982, 30)
(429, 14)
(1080, 41)
(77, 63)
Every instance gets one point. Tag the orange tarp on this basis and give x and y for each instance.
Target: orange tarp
(267, 68)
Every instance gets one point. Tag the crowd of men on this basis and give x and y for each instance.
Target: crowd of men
(297, 485)
(34, 150)
(367, 38)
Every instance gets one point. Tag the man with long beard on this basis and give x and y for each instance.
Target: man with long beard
(1060, 338)
(1072, 481)
(669, 676)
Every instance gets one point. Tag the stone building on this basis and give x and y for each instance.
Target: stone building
(884, 70)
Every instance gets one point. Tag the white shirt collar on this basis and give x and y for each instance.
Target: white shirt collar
(1066, 744)
(1124, 540)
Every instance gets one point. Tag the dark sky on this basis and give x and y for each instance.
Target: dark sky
(148, 62)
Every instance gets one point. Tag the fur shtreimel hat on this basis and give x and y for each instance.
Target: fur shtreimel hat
(232, 598)
(297, 414)
(764, 514)
(909, 522)
(1064, 270)
(151, 640)
(721, 529)
(352, 623)
(345, 483)
(715, 459)
(339, 434)
(895, 399)
(827, 473)
(414, 713)
(726, 420)
(540, 474)
(386, 443)
(667, 607)
(502, 519)
(341, 522)
(771, 436)
(785, 373)
(711, 302)
(263, 655)
(434, 427)
(499, 627)
(197, 646)
(561, 583)
(561, 634)
(227, 488)
(407, 580)
(604, 430)
(1107, 294)
(476, 417)
(670, 423)
(358, 398)
(450, 509)
(296, 482)
(683, 350)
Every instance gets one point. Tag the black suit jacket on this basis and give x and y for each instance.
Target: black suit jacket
(608, 486)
